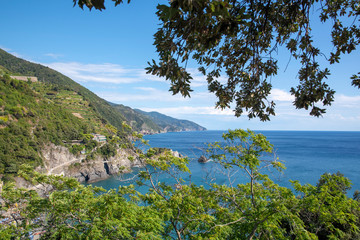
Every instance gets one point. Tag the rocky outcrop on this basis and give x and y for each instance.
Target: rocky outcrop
(59, 161)
(203, 159)
(176, 154)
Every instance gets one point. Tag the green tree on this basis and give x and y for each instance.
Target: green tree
(74, 211)
(326, 210)
(178, 209)
(259, 208)
(238, 40)
(256, 209)
(108, 150)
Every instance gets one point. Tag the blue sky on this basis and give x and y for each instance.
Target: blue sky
(108, 51)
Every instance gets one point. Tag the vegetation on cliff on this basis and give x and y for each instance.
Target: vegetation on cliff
(36, 114)
(28, 121)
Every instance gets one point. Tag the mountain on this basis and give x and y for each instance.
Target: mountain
(170, 124)
(115, 114)
(57, 126)
(18, 66)
(56, 131)
(49, 122)
(154, 122)
(139, 122)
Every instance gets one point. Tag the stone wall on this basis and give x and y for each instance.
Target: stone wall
(25, 78)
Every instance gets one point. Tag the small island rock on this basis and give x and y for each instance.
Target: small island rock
(203, 159)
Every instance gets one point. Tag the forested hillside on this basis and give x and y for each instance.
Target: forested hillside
(170, 124)
(28, 121)
(57, 110)
(137, 121)
(47, 75)
(154, 122)
(115, 114)
(33, 115)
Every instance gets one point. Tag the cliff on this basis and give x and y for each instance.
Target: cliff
(59, 161)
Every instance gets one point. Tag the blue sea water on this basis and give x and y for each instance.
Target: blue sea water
(306, 155)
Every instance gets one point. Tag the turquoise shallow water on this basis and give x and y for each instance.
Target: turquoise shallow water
(307, 155)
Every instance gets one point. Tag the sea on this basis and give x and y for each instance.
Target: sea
(306, 155)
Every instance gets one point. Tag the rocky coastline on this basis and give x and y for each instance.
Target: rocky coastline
(58, 160)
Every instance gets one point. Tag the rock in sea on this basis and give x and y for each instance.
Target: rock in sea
(203, 159)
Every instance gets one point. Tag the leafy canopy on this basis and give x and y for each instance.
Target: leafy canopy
(175, 208)
(238, 41)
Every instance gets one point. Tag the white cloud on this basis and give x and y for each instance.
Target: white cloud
(103, 73)
(343, 118)
(347, 101)
(148, 94)
(185, 110)
(155, 96)
(114, 73)
(199, 80)
(53, 55)
(150, 77)
(18, 55)
(281, 95)
(5, 49)
(148, 89)
(344, 108)
(13, 53)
